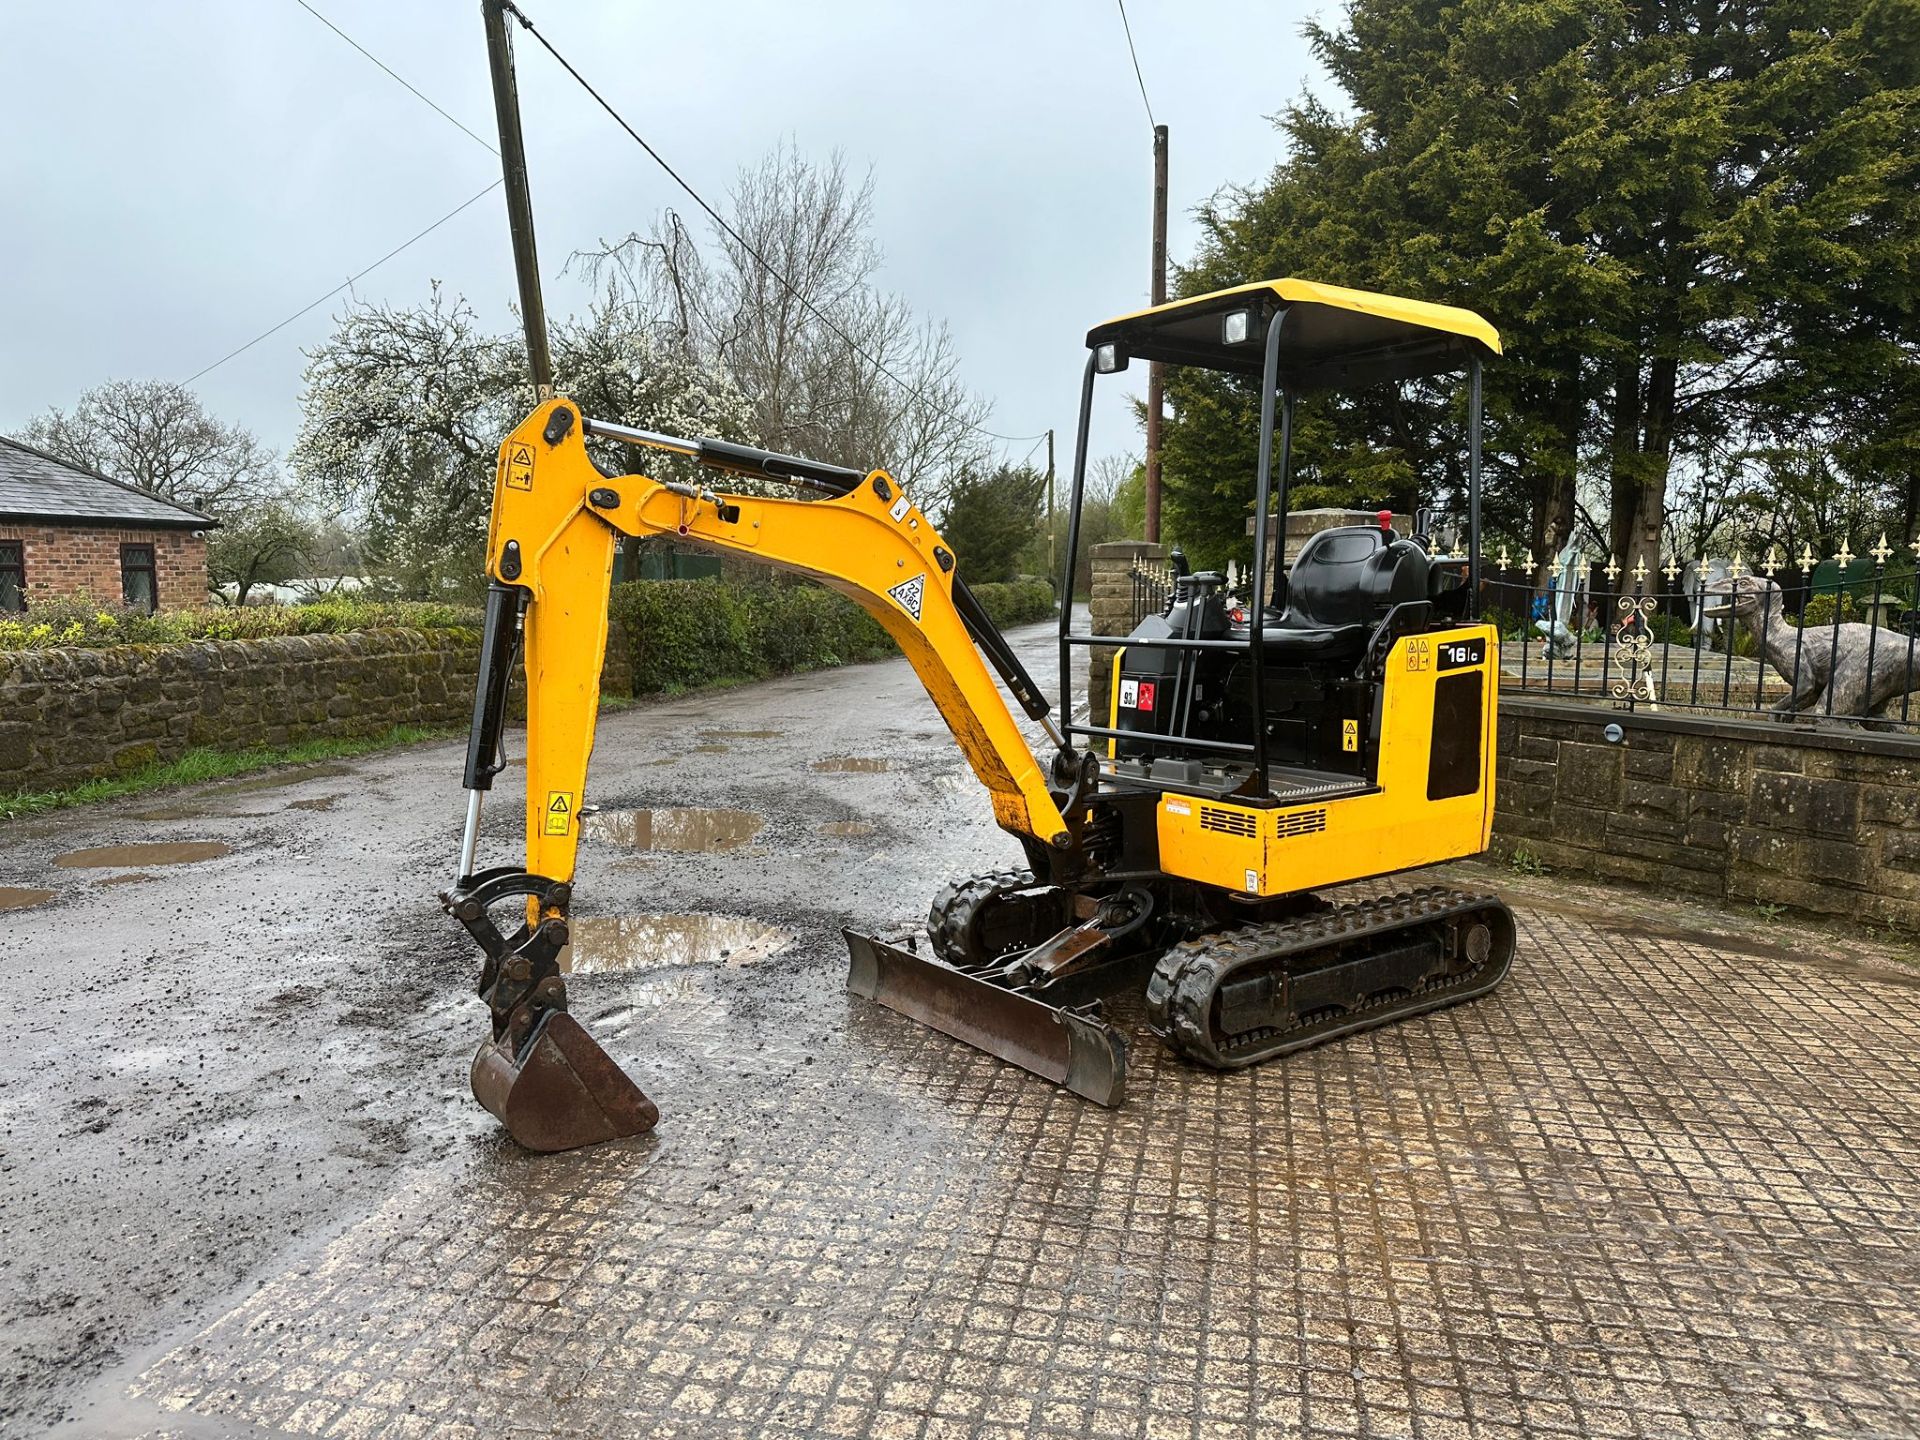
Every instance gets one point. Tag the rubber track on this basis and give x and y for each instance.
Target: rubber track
(951, 916)
(1181, 992)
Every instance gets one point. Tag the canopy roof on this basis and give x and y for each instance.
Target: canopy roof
(1333, 338)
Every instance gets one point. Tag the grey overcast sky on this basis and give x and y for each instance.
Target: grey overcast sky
(177, 177)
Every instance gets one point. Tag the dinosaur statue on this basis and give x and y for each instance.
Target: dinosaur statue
(1823, 659)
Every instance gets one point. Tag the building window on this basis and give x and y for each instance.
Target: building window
(137, 585)
(13, 574)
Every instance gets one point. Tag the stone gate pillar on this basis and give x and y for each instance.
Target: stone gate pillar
(1112, 609)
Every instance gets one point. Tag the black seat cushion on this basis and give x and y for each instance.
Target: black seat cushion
(1329, 642)
(1340, 588)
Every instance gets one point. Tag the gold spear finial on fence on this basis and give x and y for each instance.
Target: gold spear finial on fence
(1737, 567)
(1639, 571)
(1505, 563)
(1806, 558)
(1881, 551)
(1772, 567)
(1554, 570)
(1672, 569)
(1612, 572)
(1844, 554)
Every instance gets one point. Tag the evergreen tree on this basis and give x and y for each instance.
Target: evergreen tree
(991, 517)
(1692, 223)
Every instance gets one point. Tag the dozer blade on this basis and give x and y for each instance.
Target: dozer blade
(1069, 1047)
(563, 1092)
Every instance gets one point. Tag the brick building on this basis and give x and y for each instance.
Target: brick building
(68, 530)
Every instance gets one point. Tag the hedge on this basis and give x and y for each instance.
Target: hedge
(79, 621)
(685, 633)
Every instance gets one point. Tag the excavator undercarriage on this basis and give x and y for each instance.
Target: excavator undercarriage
(1332, 724)
(992, 970)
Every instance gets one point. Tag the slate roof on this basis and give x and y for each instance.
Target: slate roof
(36, 486)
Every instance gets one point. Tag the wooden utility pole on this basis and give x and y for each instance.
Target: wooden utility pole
(1159, 293)
(513, 168)
(1050, 557)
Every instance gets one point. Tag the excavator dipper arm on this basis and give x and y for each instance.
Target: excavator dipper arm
(556, 524)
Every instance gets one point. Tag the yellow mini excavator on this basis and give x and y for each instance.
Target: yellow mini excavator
(1333, 724)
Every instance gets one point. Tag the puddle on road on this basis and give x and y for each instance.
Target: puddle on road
(318, 802)
(847, 827)
(686, 829)
(182, 852)
(852, 765)
(741, 734)
(281, 780)
(618, 944)
(18, 897)
(199, 805)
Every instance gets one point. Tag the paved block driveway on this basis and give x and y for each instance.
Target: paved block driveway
(1663, 1183)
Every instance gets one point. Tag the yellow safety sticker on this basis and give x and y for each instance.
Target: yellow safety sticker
(520, 467)
(559, 811)
(1350, 736)
(1419, 654)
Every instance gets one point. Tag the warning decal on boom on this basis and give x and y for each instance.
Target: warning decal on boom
(909, 593)
(559, 811)
(520, 467)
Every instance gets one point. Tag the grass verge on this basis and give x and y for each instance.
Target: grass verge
(201, 765)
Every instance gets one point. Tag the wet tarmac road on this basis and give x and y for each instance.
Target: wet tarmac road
(1667, 1181)
(247, 1012)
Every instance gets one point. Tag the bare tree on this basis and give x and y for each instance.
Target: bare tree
(405, 408)
(265, 544)
(1107, 474)
(786, 303)
(158, 436)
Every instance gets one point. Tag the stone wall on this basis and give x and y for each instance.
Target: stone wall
(70, 715)
(65, 560)
(1111, 608)
(1751, 812)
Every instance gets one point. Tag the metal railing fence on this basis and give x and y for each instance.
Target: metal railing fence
(1817, 638)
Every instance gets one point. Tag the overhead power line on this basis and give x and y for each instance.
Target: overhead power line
(739, 239)
(1131, 51)
(425, 100)
(403, 245)
(344, 284)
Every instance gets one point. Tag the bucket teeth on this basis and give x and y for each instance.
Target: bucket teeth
(561, 1091)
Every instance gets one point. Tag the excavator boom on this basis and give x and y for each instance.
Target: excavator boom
(557, 521)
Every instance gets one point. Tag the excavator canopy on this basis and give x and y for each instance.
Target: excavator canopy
(1333, 338)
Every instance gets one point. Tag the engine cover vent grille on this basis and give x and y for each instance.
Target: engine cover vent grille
(1228, 822)
(1301, 822)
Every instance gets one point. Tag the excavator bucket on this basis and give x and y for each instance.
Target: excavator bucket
(1069, 1046)
(561, 1091)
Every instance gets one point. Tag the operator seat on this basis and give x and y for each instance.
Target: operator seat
(1341, 587)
